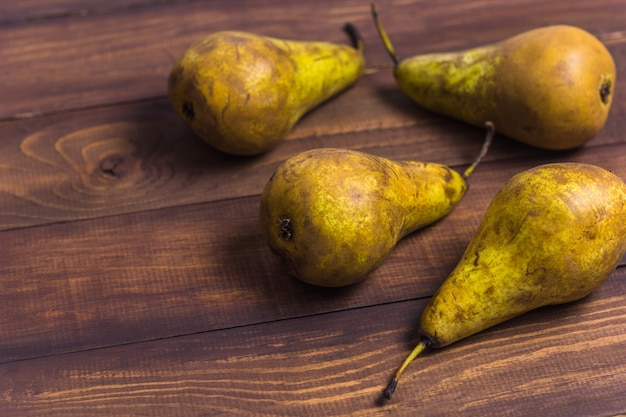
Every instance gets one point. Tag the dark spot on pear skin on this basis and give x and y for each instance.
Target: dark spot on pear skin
(450, 193)
(523, 298)
(605, 92)
(286, 228)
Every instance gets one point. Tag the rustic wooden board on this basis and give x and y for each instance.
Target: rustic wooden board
(92, 159)
(134, 157)
(559, 361)
(28, 10)
(204, 267)
(133, 277)
(73, 62)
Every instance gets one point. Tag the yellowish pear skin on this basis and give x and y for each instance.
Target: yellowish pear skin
(550, 87)
(243, 93)
(551, 235)
(333, 215)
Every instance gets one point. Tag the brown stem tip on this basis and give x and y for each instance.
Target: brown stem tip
(491, 130)
(383, 36)
(355, 36)
(388, 392)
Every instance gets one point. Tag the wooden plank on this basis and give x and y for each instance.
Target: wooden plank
(54, 65)
(27, 10)
(134, 280)
(563, 361)
(140, 156)
(158, 162)
(180, 270)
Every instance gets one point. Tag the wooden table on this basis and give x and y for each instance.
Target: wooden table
(133, 277)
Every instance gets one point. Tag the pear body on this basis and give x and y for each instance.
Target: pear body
(332, 215)
(549, 87)
(243, 93)
(551, 235)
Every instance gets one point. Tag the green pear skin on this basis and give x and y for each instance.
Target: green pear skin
(550, 87)
(333, 215)
(243, 93)
(551, 235)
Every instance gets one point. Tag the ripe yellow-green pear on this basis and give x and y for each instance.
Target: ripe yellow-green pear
(550, 87)
(243, 93)
(551, 235)
(332, 215)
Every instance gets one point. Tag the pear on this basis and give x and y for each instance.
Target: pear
(551, 235)
(333, 215)
(243, 93)
(550, 87)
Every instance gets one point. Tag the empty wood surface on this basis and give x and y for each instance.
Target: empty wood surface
(133, 277)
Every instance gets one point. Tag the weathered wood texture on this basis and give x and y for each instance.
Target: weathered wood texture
(72, 62)
(134, 280)
(68, 281)
(560, 361)
(139, 155)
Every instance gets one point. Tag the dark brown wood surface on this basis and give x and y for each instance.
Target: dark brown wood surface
(133, 277)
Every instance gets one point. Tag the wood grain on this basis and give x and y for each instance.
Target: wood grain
(559, 361)
(133, 277)
(204, 267)
(140, 156)
(28, 10)
(73, 62)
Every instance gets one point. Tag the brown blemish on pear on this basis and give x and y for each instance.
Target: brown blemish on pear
(332, 216)
(549, 87)
(243, 93)
(551, 235)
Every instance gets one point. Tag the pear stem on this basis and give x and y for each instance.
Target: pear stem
(383, 36)
(483, 151)
(419, 348)
(355, 36)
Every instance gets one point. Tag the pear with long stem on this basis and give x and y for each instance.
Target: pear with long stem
(550, 87)
(243, 93)
(551, 235)
(332, 216)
